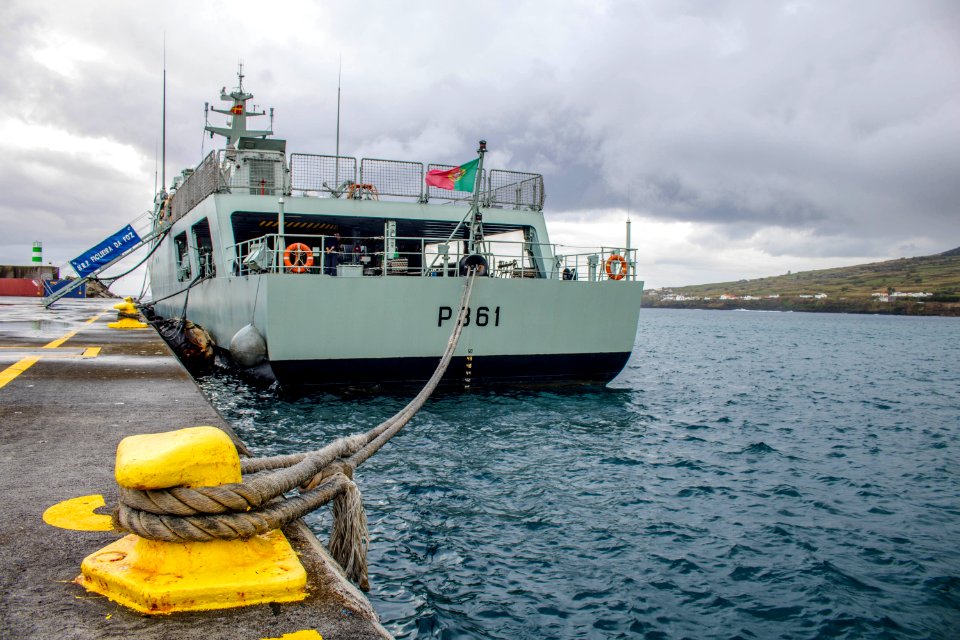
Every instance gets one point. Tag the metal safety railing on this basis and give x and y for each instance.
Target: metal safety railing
(423, 257)
(252, 172)
(196, 186)
(338, 177)
(318, 174)
(514, 189)
(265, 173)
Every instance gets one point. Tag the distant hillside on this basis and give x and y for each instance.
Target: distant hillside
(841, 289)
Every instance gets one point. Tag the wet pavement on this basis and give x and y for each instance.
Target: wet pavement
(70, 390)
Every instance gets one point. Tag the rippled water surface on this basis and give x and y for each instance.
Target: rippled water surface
(752, 475)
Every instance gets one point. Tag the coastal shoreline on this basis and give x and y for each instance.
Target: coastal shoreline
(899, 308)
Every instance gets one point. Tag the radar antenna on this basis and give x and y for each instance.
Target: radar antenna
(237, 125)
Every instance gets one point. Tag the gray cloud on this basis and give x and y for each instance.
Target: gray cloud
(836, 121)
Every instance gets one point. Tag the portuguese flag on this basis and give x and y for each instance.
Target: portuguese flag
(462, 178)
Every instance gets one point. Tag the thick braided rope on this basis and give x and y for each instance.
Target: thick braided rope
(243, 510)
(240, 497)
(228, 526)
(385, 431)
(349, 537)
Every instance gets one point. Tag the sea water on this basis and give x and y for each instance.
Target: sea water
(748, 475)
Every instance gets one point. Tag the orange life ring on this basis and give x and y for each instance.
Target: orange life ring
(621, 272)
(298, 257)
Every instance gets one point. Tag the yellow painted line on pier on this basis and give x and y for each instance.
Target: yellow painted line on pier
(11, 372)
(59, 341)
(14, 370)
(306, 634)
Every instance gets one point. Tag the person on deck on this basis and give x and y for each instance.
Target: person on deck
(331, 255)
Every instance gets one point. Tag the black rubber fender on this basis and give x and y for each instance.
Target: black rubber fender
(474, 261)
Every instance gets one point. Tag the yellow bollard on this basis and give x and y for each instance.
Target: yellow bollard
(165, 577)
(128, 317)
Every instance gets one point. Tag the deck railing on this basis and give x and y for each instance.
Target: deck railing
(426, 257)
(265, 173)
(200, 183)
(337, 177)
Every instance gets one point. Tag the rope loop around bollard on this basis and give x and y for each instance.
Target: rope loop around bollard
(243, 510)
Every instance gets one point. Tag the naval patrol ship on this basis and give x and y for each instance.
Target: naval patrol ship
(322, 271)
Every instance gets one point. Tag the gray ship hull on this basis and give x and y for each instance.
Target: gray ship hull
(383, 374)
(384, 333)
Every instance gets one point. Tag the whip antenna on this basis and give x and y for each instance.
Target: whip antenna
(337, 161)
(163, 157)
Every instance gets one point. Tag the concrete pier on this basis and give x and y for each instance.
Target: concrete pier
(70, 390)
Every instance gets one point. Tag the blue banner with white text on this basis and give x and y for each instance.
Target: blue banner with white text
(105, 252)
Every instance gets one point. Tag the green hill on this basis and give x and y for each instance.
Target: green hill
(845, 288)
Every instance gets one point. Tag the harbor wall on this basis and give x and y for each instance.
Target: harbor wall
(32, 272)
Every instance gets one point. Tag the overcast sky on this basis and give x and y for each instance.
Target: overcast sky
(745, 138)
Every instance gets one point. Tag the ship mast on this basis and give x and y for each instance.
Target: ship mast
(239, 114)
(476, 217)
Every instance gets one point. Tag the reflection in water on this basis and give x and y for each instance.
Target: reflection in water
(34, 327)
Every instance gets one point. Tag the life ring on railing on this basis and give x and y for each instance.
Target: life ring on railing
(298, 257)
(621, 272)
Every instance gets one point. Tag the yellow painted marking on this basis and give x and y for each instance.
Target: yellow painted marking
(306, 634)
(91, 352)
(11, 372)
(79, 514)
(14, 370)
(59, 341)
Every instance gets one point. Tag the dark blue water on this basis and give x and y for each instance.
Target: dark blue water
(749, 475)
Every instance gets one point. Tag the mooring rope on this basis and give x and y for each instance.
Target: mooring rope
(243, 510)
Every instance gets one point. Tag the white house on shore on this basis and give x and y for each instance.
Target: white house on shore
(882, 296)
